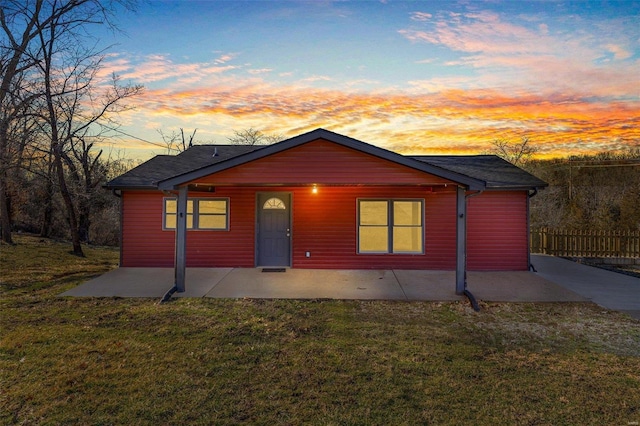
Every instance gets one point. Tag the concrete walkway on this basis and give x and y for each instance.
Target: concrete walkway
(519, 286)
(608, 289)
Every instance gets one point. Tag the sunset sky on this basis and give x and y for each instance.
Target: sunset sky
(432, 77)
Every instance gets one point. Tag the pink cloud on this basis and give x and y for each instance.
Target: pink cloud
(529, 58)
(421, 16)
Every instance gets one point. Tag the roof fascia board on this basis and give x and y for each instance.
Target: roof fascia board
(515, 188)
(131, 188)
(175, 181)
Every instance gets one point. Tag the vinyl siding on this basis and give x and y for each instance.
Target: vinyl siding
(497, 231)
(325, 224)
(321, 162)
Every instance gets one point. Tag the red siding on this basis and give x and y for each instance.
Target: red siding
(325, 225)
(143, 241)
(321, 162)
(497, 231)
(146, 244)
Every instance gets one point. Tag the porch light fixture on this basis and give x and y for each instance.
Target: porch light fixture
(314, 189)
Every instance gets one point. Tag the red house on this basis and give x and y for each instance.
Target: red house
(324, 200)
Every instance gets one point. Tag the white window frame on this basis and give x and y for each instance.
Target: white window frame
(390, 225)
(196, 213)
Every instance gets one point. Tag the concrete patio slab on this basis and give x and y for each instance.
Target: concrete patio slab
(325, 284)
(148, 282)
(309, 284)
(428, 285)
(557, 280)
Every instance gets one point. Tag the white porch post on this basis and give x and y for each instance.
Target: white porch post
(181, 240)
(461, 241)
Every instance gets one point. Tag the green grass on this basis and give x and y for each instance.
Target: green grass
(207, 361)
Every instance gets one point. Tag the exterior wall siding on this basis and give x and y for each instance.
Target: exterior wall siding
(497, 236)
(325, 224)
(321, 162)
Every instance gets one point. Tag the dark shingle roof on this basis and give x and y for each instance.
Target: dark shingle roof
(476, 171)
(161, 167)
(496, 172)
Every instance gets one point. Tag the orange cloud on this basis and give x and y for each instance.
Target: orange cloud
(446, 121)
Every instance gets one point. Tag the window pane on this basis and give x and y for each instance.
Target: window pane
(274, 203)
(407, 213)
(212, 207)
(212, 222)
(407, 239)
(189, 221)
(374, 239)
(170, 205)
(373, 212)
(170, 221)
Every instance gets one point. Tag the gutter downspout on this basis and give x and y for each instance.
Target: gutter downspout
(118, 193)
(530, 195)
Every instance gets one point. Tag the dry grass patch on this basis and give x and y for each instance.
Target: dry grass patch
(207, 361)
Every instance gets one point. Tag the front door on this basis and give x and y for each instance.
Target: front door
(274, 229)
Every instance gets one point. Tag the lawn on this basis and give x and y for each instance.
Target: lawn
(207, 361)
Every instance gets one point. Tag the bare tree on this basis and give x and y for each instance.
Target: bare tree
(253, 136)
(44, 48)
(19, 30)
(517, 153)
(176, 142)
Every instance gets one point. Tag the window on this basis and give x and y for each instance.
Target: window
(274, 204)
(390, 226)
(202, 213)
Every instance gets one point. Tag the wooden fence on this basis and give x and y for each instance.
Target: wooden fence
(581, 243)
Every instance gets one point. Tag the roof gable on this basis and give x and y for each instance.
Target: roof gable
(320, 162)
(199, 162)
(194, 175)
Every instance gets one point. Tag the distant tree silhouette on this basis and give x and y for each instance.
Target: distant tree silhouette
(517, 153)
(176, 141)
(253, 136)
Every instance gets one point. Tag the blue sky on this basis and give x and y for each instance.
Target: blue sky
(416, 77)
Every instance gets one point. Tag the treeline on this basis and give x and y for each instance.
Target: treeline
(599, 192)
(36, 204)
(55, 110)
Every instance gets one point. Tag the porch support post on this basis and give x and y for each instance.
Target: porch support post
(181, 240)
(461, 241)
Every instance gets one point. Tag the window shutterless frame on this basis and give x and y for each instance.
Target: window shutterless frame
(390, 226)
(207, 214)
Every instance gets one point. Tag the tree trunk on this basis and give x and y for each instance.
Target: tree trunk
(84, 222)
(68, 202)
(47, 214)
(5, 212)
